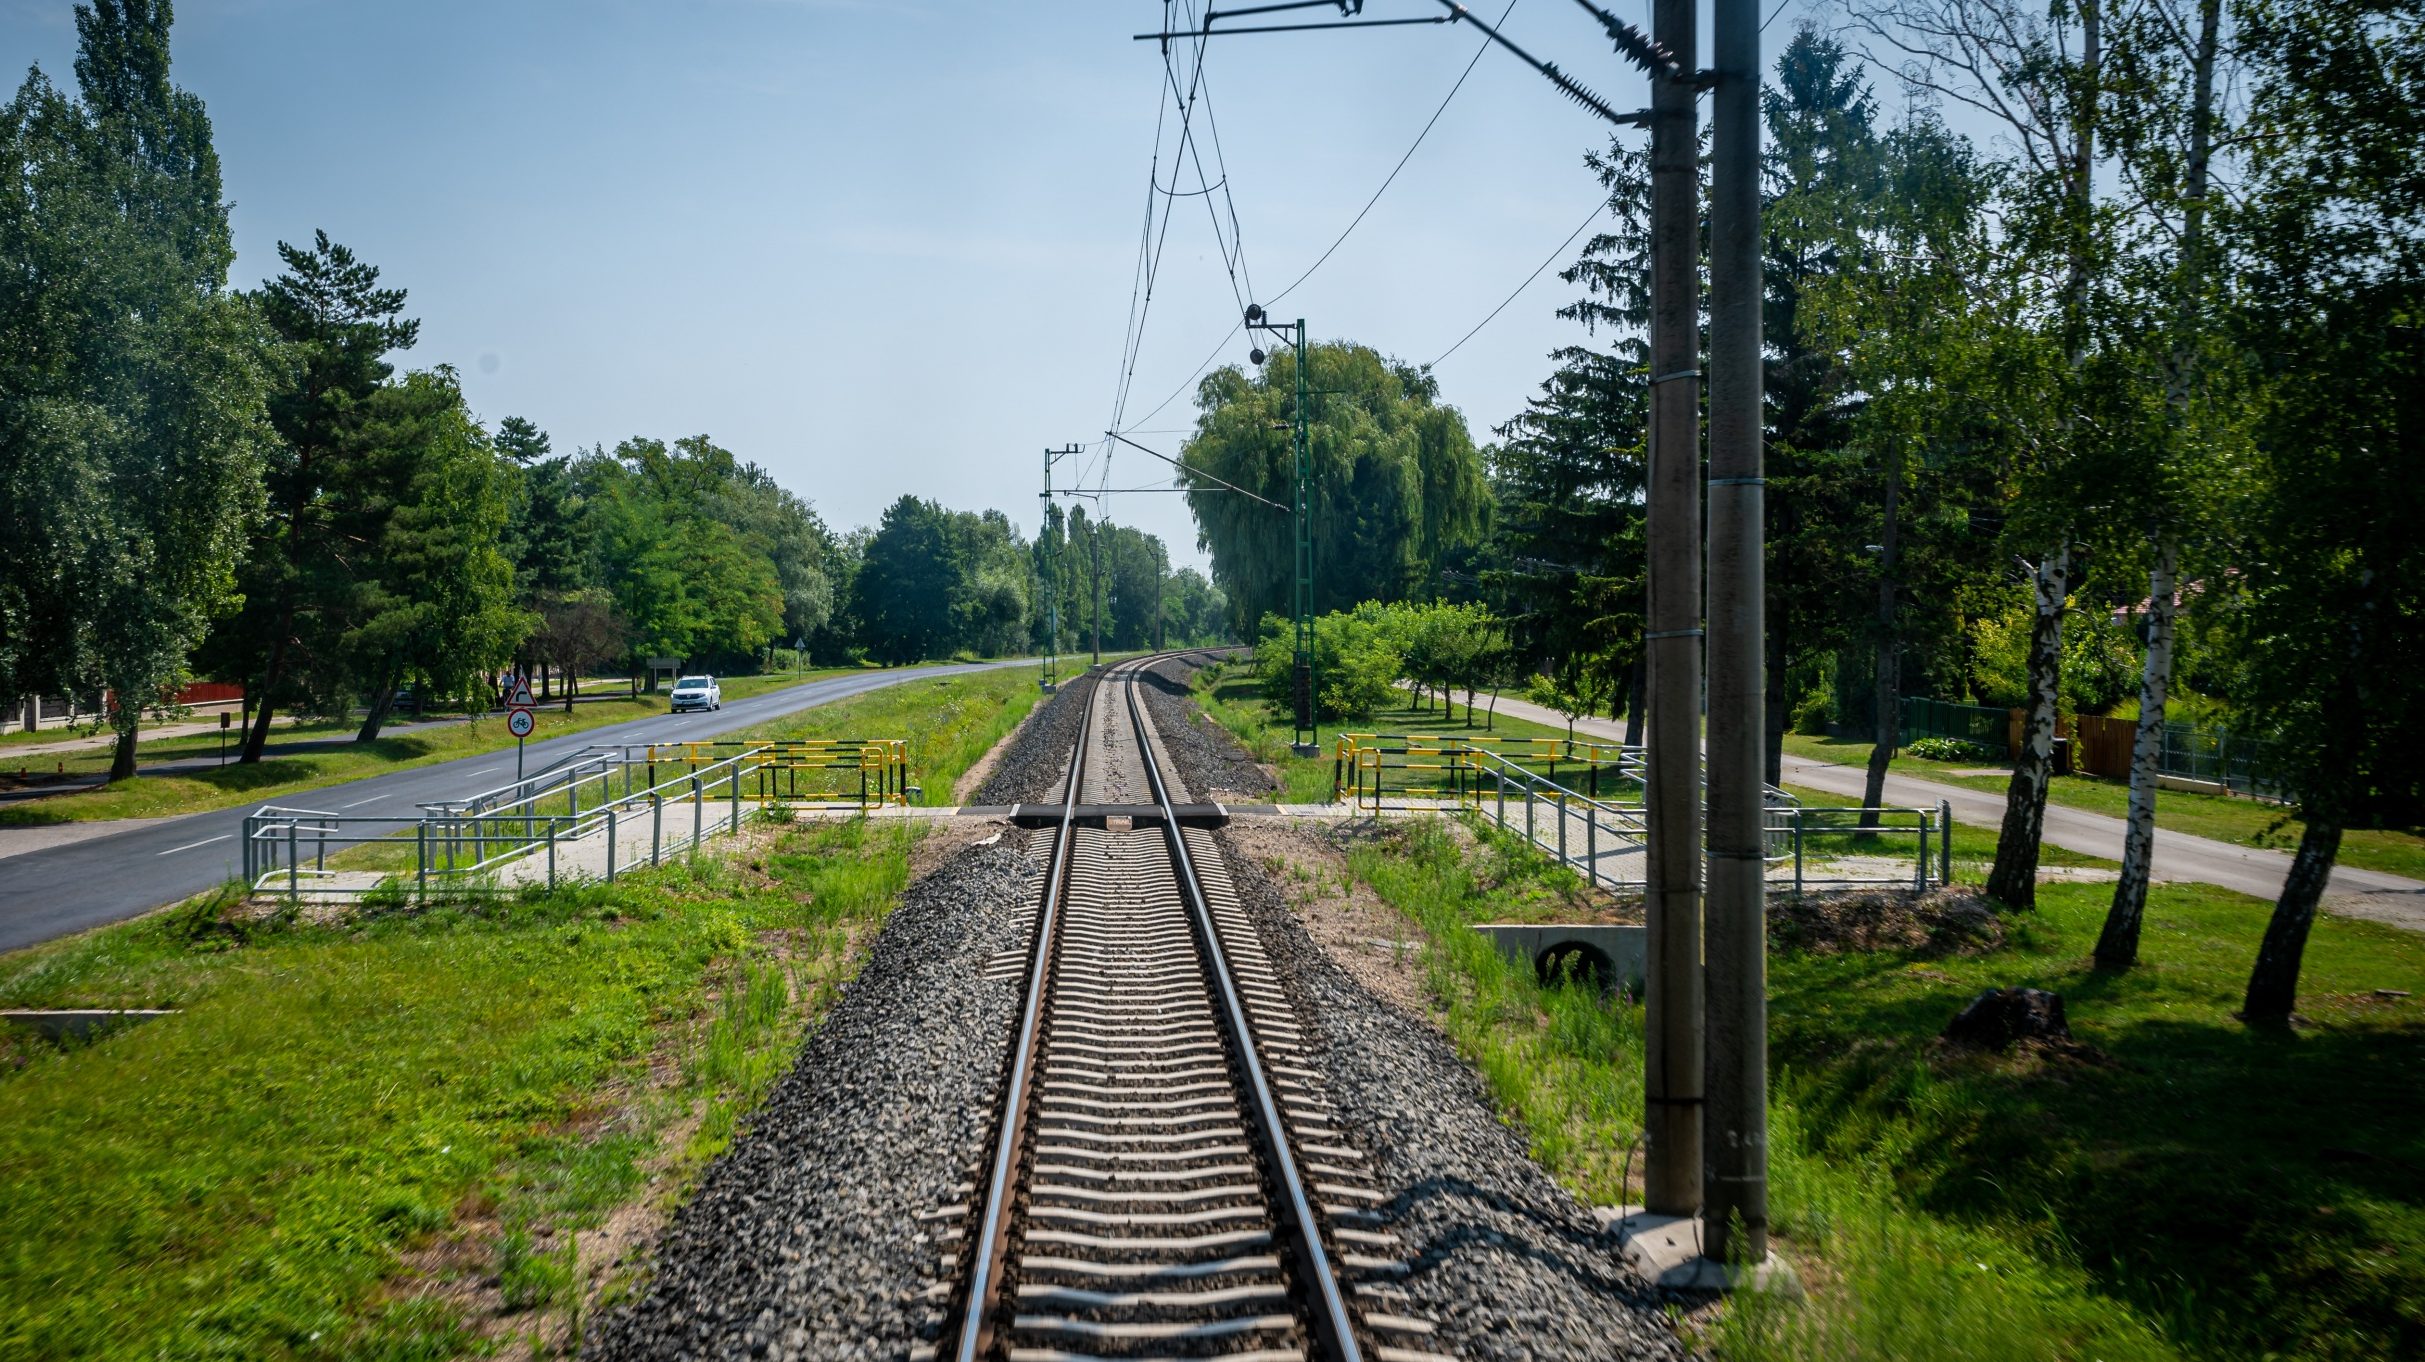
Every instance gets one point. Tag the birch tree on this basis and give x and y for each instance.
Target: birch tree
(2038, 72)
(2167, 137)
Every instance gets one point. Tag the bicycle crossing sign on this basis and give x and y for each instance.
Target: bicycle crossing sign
(518, 721)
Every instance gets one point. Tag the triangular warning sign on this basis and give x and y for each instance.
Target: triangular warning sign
(521, 693)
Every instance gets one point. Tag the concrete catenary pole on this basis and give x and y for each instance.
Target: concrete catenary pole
(1672, 1078)
(1735, 1181)
(1052, 601)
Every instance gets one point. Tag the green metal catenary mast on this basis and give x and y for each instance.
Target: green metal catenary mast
(1052, 572)
(1307, 737)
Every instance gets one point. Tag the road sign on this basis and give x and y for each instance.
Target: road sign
(521, 695)
(519, 722)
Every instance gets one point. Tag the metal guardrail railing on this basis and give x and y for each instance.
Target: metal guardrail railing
(1606, 840)
(592, 794)
(1839, 841)
(1370, 767)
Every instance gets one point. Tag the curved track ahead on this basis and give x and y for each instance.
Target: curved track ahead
(1165, 1181)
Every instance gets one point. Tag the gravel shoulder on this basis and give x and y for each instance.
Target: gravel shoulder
(1031, 768)
(1210, 761)
(802, 1239)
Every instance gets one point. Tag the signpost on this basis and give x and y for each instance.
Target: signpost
(518, 719)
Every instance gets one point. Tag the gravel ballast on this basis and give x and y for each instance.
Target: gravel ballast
(1508, 1264)
(802, 1240)
(1032, 767)
(1210, 761)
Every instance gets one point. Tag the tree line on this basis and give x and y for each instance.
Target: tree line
(2117, 413)
(242, 484)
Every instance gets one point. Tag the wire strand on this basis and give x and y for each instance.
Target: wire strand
(1401, 165)
(1190, 381)
(1596, 209)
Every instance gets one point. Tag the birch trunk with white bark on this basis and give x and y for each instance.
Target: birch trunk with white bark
(2014, 881)
(2118, 944)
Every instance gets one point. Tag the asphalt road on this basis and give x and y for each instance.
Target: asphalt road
(62, 889)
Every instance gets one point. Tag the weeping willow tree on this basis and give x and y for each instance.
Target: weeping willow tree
(1397, 482)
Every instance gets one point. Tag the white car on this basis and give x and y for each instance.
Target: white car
(697, 692)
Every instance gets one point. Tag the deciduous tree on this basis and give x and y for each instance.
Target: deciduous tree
(130, 382)
(2330, 249)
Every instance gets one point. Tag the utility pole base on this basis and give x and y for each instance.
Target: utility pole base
(1665, 1251)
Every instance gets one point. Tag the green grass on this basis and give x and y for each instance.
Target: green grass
(2247, 1193)
(244, 1178)
(2189, 1188)
(2244, 822)
(346, 1117)
(279, 776)
(2195, 1188)
(1564, 1063)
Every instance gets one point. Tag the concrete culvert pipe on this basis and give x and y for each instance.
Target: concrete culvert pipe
(1579, 961)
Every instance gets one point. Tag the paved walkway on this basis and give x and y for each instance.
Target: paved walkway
(2368, 894)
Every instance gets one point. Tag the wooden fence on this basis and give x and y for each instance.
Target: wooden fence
(2101, 746)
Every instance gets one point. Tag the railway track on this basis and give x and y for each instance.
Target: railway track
(1166, 1180)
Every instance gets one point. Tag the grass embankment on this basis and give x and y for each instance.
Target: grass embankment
(381, 1138)
(342, 759)
(2182, 1187)
(2244, 822)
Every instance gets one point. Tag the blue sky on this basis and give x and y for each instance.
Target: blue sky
(883, 247)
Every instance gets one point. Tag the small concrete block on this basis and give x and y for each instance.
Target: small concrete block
(1665, 1251)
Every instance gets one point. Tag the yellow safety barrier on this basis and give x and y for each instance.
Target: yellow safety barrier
(1371, 767)
(868, 771)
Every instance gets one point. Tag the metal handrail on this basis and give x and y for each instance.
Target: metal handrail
(1486, 781)
(512, 822)
(1358, 753)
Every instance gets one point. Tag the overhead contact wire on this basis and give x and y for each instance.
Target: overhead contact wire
(1528, 280)
(1218, 346)
(1401, 165)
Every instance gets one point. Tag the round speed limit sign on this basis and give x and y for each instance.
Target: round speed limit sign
(519, 722)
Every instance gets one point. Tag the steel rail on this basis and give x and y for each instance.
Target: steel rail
(1332, 1324)
(992, 1240)
(976, 1329)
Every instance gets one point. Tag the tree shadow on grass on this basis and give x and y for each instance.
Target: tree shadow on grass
(2259, 1191)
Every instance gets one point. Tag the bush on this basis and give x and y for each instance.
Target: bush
(1357, 662)
(1812, 715)
(1949, 749)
